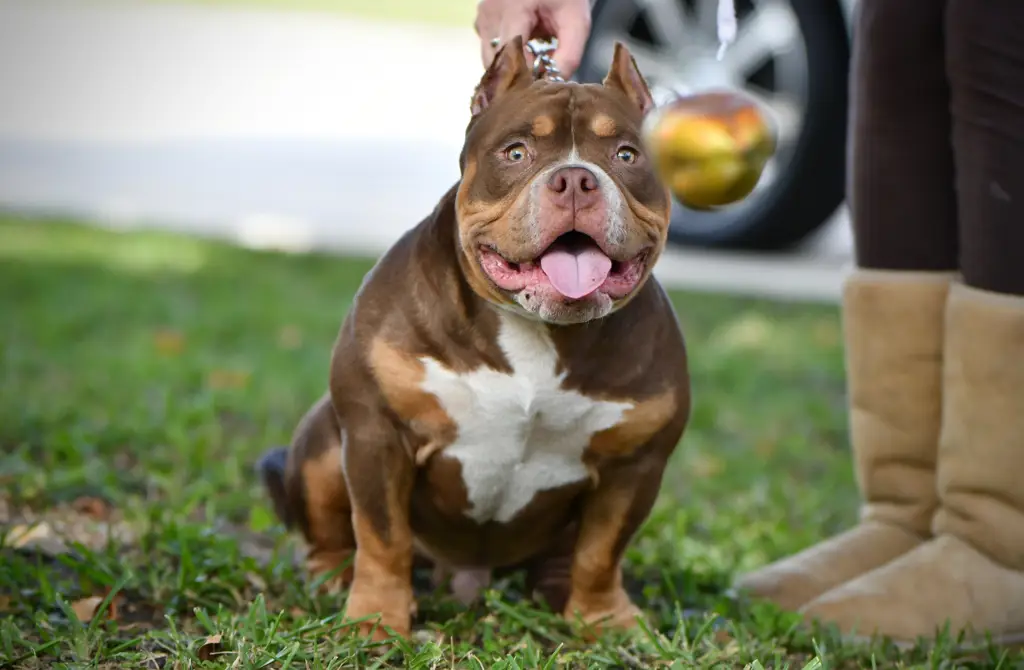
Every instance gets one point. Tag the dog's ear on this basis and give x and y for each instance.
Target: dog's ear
(625, 76)
(509, 70)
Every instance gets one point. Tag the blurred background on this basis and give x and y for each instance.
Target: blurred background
(336, 124)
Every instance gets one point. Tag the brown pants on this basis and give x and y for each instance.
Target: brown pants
(937, 138)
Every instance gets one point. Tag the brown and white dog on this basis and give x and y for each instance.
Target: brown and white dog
(510, 381)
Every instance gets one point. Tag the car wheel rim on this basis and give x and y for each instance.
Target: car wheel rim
(675, 42)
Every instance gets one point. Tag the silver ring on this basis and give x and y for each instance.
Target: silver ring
(495, 42)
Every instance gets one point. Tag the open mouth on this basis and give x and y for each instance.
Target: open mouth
(574, 267)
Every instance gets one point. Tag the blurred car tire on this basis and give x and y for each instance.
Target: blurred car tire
(792, 54)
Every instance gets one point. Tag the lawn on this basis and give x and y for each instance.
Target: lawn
(144, 373)
(458, 13)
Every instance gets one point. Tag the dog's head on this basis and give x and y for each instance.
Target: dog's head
(560, 213)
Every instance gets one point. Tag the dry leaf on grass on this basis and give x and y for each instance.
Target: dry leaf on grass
(37, 536)
(5, 604)
(24, 535)
(209, 647)
(723, 636)
(227, 379)
(53, 531)
(93, 507)
(168, 341)
(87, 609)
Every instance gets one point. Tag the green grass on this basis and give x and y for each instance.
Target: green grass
(144, 373)
(458, 13)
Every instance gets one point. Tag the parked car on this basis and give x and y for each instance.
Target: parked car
(793, 55)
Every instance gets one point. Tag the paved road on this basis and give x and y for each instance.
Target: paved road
(275, 129)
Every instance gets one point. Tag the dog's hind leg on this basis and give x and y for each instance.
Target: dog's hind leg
(308, 490)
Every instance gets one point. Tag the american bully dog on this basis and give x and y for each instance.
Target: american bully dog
(510, 381)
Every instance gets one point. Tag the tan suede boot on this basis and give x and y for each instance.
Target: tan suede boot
(972, 574)
(893, 332)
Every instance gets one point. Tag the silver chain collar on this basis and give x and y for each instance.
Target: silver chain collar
(543, 65)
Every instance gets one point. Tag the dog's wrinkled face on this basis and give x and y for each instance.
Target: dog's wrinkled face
(560, 213)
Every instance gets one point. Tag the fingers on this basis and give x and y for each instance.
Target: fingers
(517, 23)
(521, 23)
(572, 27)
(487, 52)
(498, 21)
(488, 26)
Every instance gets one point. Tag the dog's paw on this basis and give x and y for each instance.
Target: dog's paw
(605, 612)
(331, 570)
(381, 615)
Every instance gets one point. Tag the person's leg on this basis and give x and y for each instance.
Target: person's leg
(972, 573)
(904, 219)
(900, 189)
(986, 69)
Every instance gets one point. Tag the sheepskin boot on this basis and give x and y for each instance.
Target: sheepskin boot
(893, 333)
(970, 576)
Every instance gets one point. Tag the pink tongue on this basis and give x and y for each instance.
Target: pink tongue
(578, 273)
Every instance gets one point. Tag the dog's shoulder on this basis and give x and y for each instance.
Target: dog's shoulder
(414, 272)
(415, 304)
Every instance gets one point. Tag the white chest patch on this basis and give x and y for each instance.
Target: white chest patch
(518, 433)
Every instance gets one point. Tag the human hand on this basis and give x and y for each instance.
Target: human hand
(566, 20)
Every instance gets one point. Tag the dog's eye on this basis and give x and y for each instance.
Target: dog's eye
(627, 155)
(515, 152)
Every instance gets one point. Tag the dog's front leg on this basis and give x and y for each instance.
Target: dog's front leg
(611, 514)
(380, 477)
